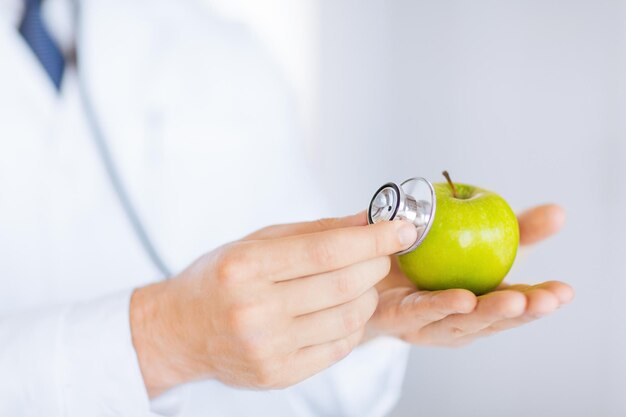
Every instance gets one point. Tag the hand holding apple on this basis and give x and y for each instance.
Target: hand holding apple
(456, 317)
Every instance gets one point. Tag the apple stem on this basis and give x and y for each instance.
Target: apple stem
(454, 193)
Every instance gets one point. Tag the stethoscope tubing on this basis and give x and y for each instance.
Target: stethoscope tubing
(100, 140)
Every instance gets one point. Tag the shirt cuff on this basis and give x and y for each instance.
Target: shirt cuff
(29, 363)
(99, 370)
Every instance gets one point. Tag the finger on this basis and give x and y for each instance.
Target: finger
(291, 229)
(540, 303)
(336, 322)
(317, 292)
(403, 310)
(540, 222)
(563, 292)
(302, 255)
(491, 307)
(310, 360)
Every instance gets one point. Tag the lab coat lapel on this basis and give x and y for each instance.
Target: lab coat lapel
(26, 90)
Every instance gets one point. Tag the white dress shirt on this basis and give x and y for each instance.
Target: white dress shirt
(202, 129)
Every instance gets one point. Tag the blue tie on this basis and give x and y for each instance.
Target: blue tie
(38, 38)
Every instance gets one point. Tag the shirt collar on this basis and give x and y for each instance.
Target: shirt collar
(57, 15)
(12, 11)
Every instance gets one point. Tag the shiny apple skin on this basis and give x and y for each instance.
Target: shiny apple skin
(472, 243)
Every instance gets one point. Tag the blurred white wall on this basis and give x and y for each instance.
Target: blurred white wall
(288, 29)
(526, 98)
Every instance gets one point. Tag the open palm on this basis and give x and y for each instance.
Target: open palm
(457, 317)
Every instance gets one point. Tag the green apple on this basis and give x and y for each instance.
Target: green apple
(472, 242)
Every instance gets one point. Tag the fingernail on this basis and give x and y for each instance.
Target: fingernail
(407, 235)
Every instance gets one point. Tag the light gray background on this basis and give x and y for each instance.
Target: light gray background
(522, 97)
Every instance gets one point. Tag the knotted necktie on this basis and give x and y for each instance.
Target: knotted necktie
(36, 35)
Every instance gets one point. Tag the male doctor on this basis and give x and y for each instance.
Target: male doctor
(142, 143)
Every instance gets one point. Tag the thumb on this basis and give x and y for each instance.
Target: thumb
(539, 223)
(292, 229)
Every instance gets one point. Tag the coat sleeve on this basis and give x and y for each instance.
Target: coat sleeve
(367, 383)
(75, 360)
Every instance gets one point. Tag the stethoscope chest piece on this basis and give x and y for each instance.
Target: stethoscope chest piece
(414, 200)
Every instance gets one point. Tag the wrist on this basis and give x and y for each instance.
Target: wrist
(158, 347)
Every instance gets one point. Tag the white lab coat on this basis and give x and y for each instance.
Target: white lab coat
(203, 132)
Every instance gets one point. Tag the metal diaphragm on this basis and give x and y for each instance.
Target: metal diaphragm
(414, 200)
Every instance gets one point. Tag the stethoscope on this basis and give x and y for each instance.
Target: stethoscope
(413, 200)
(104, 152)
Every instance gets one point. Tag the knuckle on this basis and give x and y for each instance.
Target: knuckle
(378, 244)
(325, 223)
(352, 320)
(266, 376)
(257, 349)
(340, 349)
(231, 265)
(456, 331)
(345, 286)
(323, 252)
(241, 317)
